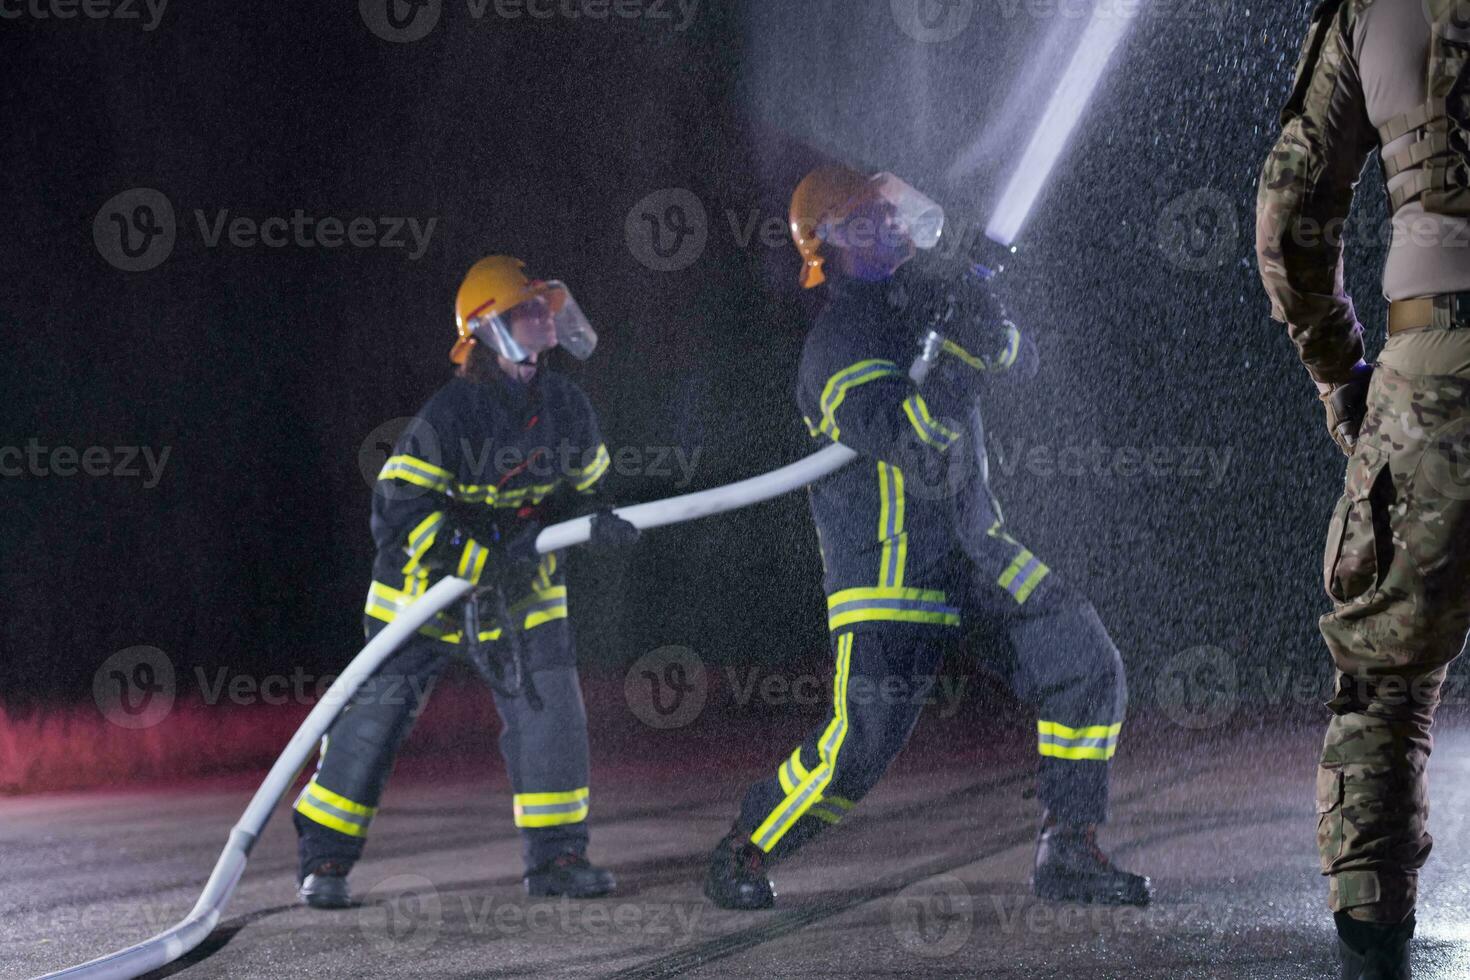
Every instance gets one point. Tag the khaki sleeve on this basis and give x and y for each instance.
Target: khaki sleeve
(1306, 192)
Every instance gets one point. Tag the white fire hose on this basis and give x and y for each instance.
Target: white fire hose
(194, 928)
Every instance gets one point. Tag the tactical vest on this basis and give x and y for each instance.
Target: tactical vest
(1438, 161)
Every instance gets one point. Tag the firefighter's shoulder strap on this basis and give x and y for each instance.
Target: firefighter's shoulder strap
(1437, 160)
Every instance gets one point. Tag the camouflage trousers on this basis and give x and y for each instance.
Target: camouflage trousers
(1397, 567)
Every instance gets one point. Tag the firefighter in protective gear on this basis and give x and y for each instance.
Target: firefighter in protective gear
(914, 546)
(1390, 77)
(501, 450)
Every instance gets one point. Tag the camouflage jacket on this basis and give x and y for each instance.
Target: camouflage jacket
(1306, 192)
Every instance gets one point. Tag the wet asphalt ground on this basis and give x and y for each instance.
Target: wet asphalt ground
(929, 877)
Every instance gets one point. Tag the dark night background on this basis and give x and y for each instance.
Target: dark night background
(264, 371)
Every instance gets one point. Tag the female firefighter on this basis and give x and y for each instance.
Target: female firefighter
(501, 450)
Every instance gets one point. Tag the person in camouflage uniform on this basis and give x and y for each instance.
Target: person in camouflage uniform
(1387, 76)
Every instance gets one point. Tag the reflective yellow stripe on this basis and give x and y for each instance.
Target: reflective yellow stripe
(950, 347)
(809, 791)
(548, 569)
(1095, 731)
(593, 472)
(542, 606)
(495, 497)
(338, 800)
(866, 605)
(551, 809)
(1095, 742)
(1077, 753)
(321, 805)
(411, 469)
(929, 429)
(891, 503)
(840, 384)
(1006, 359)
(1032, 581)
(1023, 575)
(421, 539)
(472, 562)
(305, 808)
(385, 603)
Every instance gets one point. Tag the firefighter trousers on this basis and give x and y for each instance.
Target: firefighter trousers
(1064, 665)
(545, 751)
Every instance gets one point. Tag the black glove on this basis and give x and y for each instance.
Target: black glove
(611, 532)
(1346, 405)
(963, 307)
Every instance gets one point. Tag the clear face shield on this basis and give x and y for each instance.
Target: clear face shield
(889, 215)
(551, 318)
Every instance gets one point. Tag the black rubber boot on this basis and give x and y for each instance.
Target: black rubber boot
(737, 875)
(1374, 950)
(326, 887)
(1070, 867)
(570, 875)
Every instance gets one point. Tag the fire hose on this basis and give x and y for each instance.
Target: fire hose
(177, 941)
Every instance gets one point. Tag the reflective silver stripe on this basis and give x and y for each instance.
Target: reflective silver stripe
(915, 605)
(870, 373)
(928, 428)
(541, 809)
(893, 493)
(1017, 583)
(1106, 742)
(426, 533)
(387, 605)
(397, 464)
(786, 812)
(346, 816)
